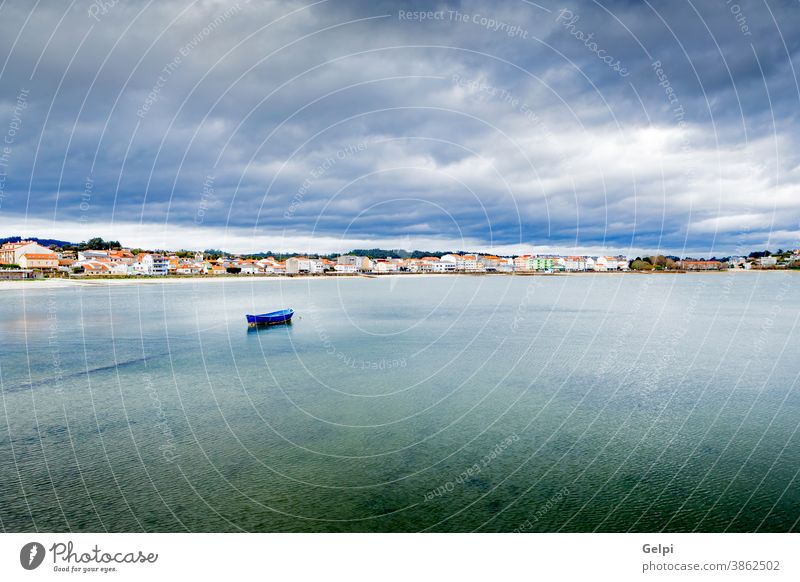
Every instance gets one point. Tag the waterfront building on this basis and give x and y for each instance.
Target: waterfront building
(617, 263)
(297, 265)
(119, 268)
(471, 264)
(172, 264)
(385, 266)
(574, 263)
(737, 262)
(522, 263)
(103, 268)
(189, 269)
(65, 265)
(691, 265)
(40, 262)
(361, 263)
(249, 267)
(458, 262)
(123, 256)
(505, 265)
(93, 267)
(151, 264)
(269, 266)
(541, 263)
(526, 263)
(425, 264)
(489, 262)
(443, 267)
(768, 261)
(93, 255)
(411, 265)
(11, 253)
(16, 274)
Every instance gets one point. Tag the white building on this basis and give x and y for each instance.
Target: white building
(92, 267)
(768, 261)
(361, 263)
(574, 263)
(470, 263)
(442, 267)
(189, 269)
(121, 256)
(385, 266)
(601, 264)
(456, 260)
(505, 265)
(270, 266)
(297, 265)
(152, 264)
(120, 268)
(737, 262)
(609, 263)
(93, 255)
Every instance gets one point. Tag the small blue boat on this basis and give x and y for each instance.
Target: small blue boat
(271, 318)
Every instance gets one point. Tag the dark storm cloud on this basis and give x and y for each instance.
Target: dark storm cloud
(551, 124)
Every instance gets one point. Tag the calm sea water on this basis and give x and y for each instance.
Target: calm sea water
(580, 403)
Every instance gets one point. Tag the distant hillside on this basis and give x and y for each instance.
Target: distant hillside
(46, 242)
(371, 253)
(404, 254)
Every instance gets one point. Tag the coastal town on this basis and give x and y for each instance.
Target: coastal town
(29, 259)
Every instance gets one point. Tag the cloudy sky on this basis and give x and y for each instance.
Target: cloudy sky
(505, 126)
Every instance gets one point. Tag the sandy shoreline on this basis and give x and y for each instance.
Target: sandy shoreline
(97, 282)
(31, 284)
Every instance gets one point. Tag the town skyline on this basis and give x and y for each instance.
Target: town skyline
(401, 251)
(29, 259)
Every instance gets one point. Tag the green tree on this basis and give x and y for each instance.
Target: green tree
(642, 265)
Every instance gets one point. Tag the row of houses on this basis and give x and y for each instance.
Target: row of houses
(477, 263)
(768, 262)
(33, 257)
(30, 255)
(570, 263)
(159, 265)
(453, 263)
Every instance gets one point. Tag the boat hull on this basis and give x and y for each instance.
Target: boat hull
(272, 318)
